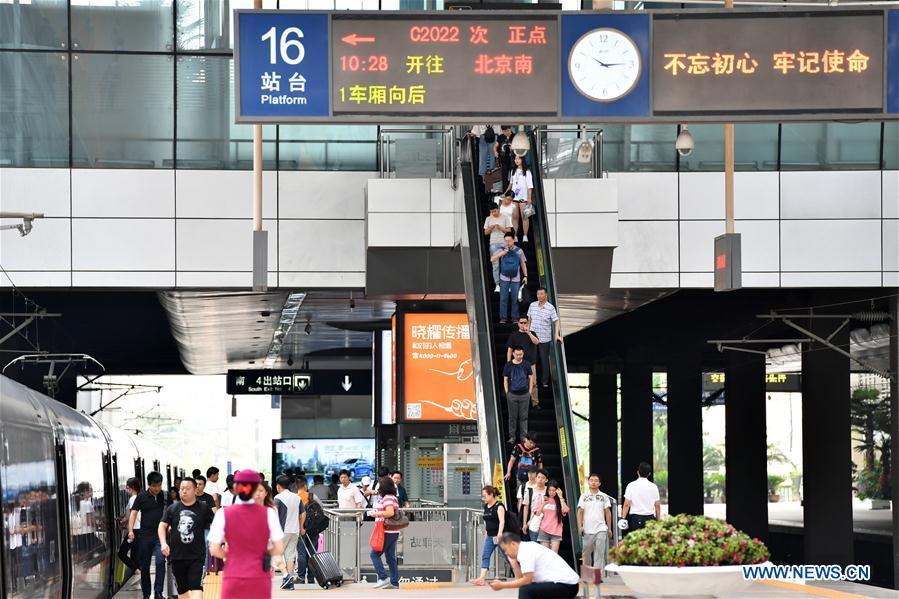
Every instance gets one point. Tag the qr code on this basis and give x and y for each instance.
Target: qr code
(413, 410)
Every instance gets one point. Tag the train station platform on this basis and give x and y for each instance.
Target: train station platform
(614, 588)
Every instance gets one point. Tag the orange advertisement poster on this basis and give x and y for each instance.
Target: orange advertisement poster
(439, 381)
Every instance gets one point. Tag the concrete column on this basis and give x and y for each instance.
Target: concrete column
(826, 448)
(894, 426)
(745, 443)
(685, 488)
(604, 428)
(636, 419)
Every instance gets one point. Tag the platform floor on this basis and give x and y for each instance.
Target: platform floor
(613, 589)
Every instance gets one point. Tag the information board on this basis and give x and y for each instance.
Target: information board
(542, 67)
(751, 63)
(444, 66)
(439, 380)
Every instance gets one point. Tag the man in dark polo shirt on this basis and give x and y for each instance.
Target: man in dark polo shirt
(150, 504)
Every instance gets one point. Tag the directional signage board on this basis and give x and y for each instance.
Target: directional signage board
(473, 67)
(299, 382)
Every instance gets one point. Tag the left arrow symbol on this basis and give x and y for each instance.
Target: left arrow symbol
(353, 39)
(347, 384)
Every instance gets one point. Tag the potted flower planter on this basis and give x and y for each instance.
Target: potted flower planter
(686, 556)
(689, 581)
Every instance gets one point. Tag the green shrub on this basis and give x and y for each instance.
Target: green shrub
(686, 540)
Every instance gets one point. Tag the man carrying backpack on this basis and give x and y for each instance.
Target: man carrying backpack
(314, 523)
(512, 265)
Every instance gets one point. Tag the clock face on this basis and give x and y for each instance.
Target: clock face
(604, 65)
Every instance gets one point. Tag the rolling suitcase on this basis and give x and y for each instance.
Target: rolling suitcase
(323, 566)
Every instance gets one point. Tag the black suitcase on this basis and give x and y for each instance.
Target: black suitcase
(323, 566)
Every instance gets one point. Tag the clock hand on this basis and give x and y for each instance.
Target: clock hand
(600, 62)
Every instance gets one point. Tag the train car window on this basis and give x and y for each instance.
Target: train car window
(30, 514)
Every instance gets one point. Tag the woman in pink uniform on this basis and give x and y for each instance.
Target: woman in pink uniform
(244, 534)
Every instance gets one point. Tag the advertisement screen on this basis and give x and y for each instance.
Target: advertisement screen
(326, 457)
(439, 381)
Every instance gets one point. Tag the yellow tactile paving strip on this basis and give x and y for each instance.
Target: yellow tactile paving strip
(811, 590)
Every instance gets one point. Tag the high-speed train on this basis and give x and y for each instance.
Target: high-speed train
(62, 485)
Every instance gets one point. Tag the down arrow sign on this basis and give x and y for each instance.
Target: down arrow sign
(346, 384)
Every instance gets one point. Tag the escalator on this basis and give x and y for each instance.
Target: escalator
(552, 423)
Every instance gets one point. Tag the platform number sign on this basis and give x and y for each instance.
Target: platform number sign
(282, 66)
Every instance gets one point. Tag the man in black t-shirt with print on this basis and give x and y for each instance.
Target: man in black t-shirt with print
(187, 519)
(528, 341)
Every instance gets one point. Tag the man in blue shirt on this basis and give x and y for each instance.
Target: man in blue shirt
(518, 381)
(513, 272)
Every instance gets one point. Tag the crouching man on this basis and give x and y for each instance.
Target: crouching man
(540, 573)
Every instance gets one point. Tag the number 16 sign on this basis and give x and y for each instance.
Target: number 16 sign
(281, 64)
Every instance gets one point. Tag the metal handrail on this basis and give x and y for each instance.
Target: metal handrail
(558, 365)
(448, 159)
(597, 160)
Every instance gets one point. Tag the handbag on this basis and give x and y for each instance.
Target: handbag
(376, 542)
(493, 180)
(398, 521)
(528, 210)
(536, 519)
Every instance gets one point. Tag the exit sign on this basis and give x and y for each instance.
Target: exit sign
(728, 270)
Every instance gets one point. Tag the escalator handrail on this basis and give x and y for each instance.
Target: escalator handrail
(479, 311)
(559, 366)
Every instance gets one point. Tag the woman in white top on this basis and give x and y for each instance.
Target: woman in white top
(507, 207)
(521, 184)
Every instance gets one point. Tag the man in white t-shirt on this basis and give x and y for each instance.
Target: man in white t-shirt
(212, 484)
(540, 572)
(496, 226)
(288, 505)
(348, 495)
(641, 500)
(594, 518)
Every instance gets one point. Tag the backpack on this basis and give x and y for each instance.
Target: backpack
(525, 461)
(489, 135)
(316, 520)
(509, 264)
(513, 522)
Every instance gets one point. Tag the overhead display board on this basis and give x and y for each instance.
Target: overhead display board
(444, 66)
(827, 62)
(438, 380)
(472, 67)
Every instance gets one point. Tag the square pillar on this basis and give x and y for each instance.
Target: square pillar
(604, 428)
(746, 443)
(685, 486)
(826, 448)
(894, 425)
(636, 419)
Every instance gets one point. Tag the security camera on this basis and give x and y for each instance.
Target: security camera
(25, 227)
(308, 328)
(684, 143)
(521, 145)
(27, 221)
(290, 360)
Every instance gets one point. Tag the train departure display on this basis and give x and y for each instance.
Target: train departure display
(791, 62)
(444, 66)
(542, 67)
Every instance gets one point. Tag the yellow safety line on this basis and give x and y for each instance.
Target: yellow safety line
(812, 590)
